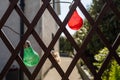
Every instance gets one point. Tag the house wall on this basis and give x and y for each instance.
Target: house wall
(46, 28)
(49, 29)
(13, 23)
(31, 9)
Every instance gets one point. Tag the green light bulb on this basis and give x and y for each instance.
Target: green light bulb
(30, 58)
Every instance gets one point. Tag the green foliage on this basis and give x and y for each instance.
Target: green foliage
(65, 46)
(101, 55)
(109, 26)
(113, 69)
(80, 35)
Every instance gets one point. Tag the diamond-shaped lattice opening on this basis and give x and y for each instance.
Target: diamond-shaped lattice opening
(32, 50)
(55, 5)
(38, 77)
(64, 8)
(13, 72)
(25, 77)
(75, 74)
(38, 28)
(49, 71)
(87, 5)
(3, 9)
(5, 55)
(31, 56)
(11, 28)
(118, 50)
(67, 53)
(78, 22)
(65, 62)
(100, 57)
(95, 8)
(66, 49)
(32, 8)
(49, 28)
(80, 35)
(80, 72)
(94, 51)
(110, 26)
(112, 71)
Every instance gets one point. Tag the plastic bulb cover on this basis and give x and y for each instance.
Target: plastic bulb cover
(30, 58)
(75, 22)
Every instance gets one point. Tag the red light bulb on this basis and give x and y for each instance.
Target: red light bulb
(75, 21)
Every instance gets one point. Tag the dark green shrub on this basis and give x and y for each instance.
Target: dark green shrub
(113, 69)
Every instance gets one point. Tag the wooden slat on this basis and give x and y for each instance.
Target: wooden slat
(80, 50)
